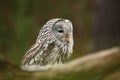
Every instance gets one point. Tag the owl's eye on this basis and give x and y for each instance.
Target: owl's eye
(60, 31)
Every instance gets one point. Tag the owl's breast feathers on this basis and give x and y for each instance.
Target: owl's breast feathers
(44, 54)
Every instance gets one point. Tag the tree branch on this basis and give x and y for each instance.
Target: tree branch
(94, 66)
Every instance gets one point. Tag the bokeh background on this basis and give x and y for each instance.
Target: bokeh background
(96, 24)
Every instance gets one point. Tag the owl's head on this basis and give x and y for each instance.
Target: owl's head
(63, 31)
(59, 31)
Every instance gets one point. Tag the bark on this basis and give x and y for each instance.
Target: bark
(96, 66)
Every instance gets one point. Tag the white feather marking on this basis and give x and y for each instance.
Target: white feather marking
(40, 53)
(67, 20)
(36, 58)
(32, 61)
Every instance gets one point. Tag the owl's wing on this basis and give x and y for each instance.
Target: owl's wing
(31, 53)
(42, 54)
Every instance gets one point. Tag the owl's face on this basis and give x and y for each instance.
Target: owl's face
(63, 31)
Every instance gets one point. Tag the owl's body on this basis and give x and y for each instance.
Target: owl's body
(53, 45)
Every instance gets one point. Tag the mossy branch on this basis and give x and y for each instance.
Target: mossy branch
(95, 66)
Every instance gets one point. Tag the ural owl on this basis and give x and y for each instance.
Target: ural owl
(54, 44)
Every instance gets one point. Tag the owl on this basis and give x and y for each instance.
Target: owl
(54, 44)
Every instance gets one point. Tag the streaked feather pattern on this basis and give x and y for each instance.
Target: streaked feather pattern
(47, 48)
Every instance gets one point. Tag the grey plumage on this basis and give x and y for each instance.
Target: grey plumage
(54, 44)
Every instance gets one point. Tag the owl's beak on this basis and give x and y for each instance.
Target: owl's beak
(67, 38)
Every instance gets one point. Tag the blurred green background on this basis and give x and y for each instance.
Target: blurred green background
(21, 20)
